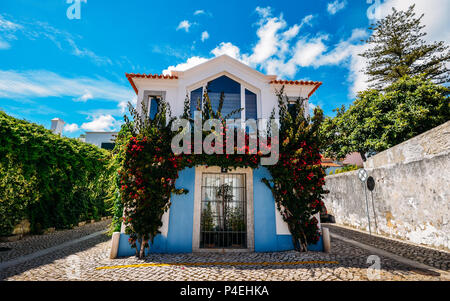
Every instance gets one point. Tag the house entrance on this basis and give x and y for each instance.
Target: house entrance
(223, 220)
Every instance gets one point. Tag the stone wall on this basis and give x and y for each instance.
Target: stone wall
(411, 198)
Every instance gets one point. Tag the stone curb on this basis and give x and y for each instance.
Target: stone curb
(443, 274)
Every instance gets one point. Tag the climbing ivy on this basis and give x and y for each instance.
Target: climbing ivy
(50, 180)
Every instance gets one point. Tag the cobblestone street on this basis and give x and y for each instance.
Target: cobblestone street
(82, 261)
(428, 256)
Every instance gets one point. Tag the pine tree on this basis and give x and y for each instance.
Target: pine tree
(398, 50)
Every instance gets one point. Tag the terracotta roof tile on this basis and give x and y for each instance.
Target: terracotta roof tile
(330, 165)
(298, 83)
(130, 77)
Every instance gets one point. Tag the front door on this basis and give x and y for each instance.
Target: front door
(223, 216)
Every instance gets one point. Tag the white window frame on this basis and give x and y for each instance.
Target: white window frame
(244, 85)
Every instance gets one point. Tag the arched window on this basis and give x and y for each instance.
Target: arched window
(232, 98)
(232, 93)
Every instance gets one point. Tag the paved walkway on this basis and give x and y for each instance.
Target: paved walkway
(428, 256)
(89, 260)
(34, 243)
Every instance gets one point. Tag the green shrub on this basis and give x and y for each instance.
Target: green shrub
(346, 169)
(52, 181)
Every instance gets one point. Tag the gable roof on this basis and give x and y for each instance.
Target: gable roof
(271, 79)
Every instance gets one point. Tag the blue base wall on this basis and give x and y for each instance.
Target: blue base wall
(266, 238)
(179, 236)
(181, 219)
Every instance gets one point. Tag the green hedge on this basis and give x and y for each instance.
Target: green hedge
(50, 180)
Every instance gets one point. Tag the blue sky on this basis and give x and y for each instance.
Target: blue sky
(53, 66)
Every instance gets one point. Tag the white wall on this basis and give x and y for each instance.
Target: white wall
(177, 89)
(97, 138)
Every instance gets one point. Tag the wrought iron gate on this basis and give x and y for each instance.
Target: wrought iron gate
(223, 222)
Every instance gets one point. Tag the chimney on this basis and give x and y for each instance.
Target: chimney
(57, 126)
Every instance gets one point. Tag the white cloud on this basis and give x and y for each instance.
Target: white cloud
(307, 20)
(308, 50)
(269, 38)
(283, 50)
(42, 83)
(6, 25)
(64, 40)
(70, 128)
(185, 24)
(343, 50)
(85, 97)
(228, 49)
(4, 44)
(199, 12)
(357, 77)
(436, 24)
(205, 36)
(435, 18)
(102, 123)
(99, 60)
(336, 6)
(264, 12)
(191, 62)
(8, 29)
(270, 51)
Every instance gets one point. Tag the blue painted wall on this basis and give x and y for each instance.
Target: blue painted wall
(263, 204)
(181, 218)
(266, 238)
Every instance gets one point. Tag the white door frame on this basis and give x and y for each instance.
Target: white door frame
(199, 170)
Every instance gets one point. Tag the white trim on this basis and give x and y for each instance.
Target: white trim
(164, 229)
(243, 102)
(281, 226)
(227, 59)
(199, 170)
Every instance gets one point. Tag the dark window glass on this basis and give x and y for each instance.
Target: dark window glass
(250, 105)
(232, 93)
(195, 96)
(153, 107)
(108, 145)
(291, 109)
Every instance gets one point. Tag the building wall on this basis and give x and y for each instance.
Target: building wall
(270, 231)
(97, 138)
(176, 90)
(176, 231)
(412, 191)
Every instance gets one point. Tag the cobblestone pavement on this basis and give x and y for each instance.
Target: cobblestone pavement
(79, 262)
(428, 256)
(33, 243)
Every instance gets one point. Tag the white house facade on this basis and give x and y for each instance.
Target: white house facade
(104, 140)
(196, 221)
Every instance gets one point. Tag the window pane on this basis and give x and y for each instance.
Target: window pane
(108, 145)
(195, 96)
(153, 107)
(250, 105)
(291, 109)
(232, 93)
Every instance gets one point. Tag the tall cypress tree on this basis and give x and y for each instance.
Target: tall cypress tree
(398, 49)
